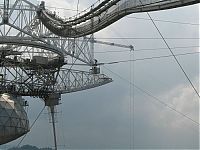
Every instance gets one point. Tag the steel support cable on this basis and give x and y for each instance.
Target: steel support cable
(139, 59)
(134, 38)
(132, 96)
(77, 7)
(91, 13)
(87, 13)
(78, 32)
(166, 21)
(140, 18)
(177, 61)
(148, 38)
(68, 9)
(31, 126)
(146, 49)
(83, 18)
(126, 13)
(147, 58)
(87, 16)
(62, 128)
(155, 98)
(94, 12)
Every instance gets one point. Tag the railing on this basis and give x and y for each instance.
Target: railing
(104, 15)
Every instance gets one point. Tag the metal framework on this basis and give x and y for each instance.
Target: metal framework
(41, 53)
(104, 14)
(36, 62)
(33, 59)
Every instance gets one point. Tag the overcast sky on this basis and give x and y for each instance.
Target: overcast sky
(100, 118)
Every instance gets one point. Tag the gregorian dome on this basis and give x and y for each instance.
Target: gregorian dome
(13, 118)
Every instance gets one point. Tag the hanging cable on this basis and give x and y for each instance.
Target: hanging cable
(77, 9)
(177, 61)
(147, 38)
(155, 98)
(62, 129)
(147, 49)
(166, 21)
(139, 59)
(147, 58)
(31, 126)
(67, 9)
(133, 57)
(130, 91)
(139, 18)
(131, 107)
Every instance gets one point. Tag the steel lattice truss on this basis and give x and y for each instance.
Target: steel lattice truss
(102, 15)
(37, 46)
(35, 62)
(39, 52)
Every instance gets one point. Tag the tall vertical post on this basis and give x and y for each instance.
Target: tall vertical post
(5, 11)
(92, 47)
(92, 40)
(51, 101)
(52, 111)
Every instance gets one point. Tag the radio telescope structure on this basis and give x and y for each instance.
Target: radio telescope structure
(44, 56)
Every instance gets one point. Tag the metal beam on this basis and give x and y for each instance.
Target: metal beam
(108, 14)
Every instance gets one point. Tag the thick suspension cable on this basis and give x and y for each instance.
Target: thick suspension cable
(146, 58)
(146, 49)
(155, 98)
(175, 58)
(31, 126)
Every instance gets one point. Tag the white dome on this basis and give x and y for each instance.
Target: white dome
(13, 118)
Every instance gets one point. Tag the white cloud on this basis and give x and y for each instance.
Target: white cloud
(109, 110)
(183, 99)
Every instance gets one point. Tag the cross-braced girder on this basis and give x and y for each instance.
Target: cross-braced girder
(26, 80)
(23, 23)
(33, 58)
(38, 49)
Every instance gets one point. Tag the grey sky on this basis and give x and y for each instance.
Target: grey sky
(100, 118)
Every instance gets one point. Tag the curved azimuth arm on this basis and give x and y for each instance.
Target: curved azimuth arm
(101, 16)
